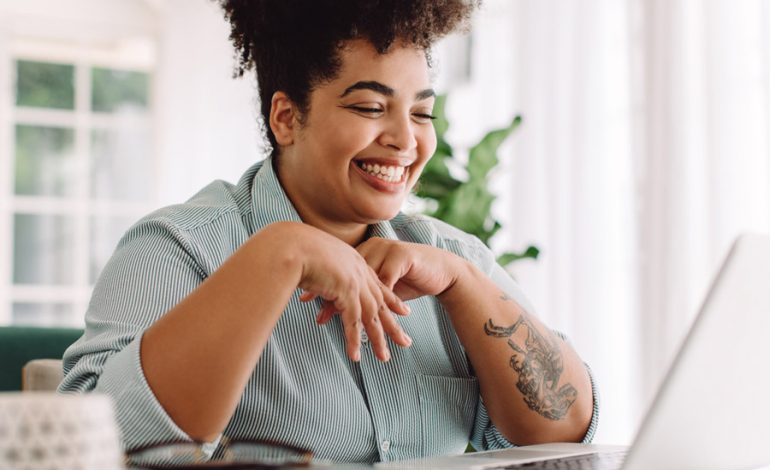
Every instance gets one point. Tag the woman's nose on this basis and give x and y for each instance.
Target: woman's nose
(399, 134)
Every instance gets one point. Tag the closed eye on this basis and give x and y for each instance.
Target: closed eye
(364, 109)
(420, 117)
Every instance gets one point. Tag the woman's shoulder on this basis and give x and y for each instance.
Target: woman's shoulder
(216, 201)
(208, 206)
(421, 228)
(210, 225)
(208, 228)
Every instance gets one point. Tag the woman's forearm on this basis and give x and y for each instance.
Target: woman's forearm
(199, 356)
(535, 387)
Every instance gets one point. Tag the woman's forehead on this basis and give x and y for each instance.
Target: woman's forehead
(402, 68)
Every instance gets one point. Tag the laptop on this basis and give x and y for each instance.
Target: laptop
(712, 410)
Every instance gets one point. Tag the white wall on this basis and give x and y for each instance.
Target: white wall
(207, 121)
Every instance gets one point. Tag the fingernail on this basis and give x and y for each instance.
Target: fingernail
(407, 340)
(357, 356)
(386, 356)
(406, 307)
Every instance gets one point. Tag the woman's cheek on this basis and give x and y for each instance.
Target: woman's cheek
(427, 142)
(354, 139)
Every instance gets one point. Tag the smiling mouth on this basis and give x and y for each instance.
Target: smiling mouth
(393, 174)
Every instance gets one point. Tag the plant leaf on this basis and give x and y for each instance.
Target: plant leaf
(436, 185)
(468, 208)
(465, 204)
(483, 156)
(440, 124)
(507, 258)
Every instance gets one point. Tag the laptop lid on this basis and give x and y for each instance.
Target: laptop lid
(712, 410)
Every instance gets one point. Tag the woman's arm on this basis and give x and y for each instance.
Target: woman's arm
(535, 387)
(199, 356)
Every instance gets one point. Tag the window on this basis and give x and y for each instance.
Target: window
(78, 172)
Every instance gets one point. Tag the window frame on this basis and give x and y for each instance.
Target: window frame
(81, 206)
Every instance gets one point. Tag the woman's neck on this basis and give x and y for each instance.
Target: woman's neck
(352, 233)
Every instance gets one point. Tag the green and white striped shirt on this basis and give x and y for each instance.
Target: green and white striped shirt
(304, 390)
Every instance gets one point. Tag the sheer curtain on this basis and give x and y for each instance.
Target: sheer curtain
(642, 155)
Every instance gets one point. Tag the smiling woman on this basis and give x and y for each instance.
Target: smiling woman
(300, 306)
(370, 123)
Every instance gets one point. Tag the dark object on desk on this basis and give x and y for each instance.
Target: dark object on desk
(19, 345)
(232, 454)
(219, 466)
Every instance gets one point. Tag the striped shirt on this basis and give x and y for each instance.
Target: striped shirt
(304, 390)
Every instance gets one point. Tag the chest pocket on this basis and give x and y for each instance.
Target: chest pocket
(447, 410)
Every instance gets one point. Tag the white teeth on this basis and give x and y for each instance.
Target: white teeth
(384, 172)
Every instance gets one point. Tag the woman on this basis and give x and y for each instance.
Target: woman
(266, 309)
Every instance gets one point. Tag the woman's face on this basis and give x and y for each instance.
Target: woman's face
(365, 140)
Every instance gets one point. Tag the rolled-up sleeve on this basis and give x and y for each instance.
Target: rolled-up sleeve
(151, 271)
(486, 436)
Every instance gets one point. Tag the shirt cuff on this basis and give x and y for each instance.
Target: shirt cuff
(486, 436)
(595, 416)
(141, 418)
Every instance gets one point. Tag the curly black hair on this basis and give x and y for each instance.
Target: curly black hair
(294, 45)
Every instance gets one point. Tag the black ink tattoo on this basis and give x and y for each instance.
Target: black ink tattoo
(539, 365)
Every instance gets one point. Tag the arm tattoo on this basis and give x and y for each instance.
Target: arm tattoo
(539, 365)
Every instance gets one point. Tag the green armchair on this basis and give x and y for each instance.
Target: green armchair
(19, 345)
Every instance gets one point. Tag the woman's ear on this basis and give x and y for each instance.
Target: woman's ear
(282, 118)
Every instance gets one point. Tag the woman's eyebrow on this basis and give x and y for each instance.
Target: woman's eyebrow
(385, 90)
(369, 85)
(424, 94)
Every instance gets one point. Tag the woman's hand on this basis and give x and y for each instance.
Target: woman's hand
(337, 273)
(411, 270)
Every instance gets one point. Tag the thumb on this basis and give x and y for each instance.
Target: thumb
(391, 271)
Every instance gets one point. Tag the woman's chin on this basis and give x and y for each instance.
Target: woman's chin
(380, 213)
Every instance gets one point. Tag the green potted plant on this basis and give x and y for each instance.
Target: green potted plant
(466, 203)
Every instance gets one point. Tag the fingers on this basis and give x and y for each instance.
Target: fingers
(389, 262)
(368, 311)
(326, 312)
(371, 322)
(350, 312)
(379, 321)
(393, 301)
(393, 329)
(307, 296)
(349, 286)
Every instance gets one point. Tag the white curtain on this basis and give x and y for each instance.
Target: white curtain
(642, 155)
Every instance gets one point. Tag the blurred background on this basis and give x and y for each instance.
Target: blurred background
(643, 152)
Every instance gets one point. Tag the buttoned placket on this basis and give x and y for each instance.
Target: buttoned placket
(369, 363)
(372, 371)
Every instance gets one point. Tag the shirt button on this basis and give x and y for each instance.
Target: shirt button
(385, 446)
(364, 337)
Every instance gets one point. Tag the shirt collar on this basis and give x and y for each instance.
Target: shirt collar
(269, 202)
(382, 229)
